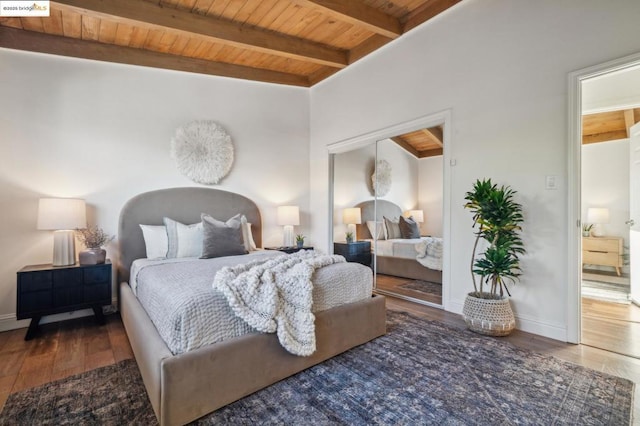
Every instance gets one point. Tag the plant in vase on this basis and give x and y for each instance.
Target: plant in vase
(349, 237)
(586, 229)
(496, 219)
(300, 240)
(93, 238)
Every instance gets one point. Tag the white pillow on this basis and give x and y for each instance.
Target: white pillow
(377, 230)
(247, 235)
(183, 240)
(155, 241)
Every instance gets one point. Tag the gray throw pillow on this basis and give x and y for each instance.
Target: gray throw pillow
(409, 228)
(221, 238)
(393, 228)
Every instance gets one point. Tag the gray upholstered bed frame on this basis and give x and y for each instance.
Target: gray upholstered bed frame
(396, 266)
(184, 387)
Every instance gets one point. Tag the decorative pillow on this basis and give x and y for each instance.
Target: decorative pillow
(183, 240)
(376, 229)
(155, 241)
(393, 228)
(409, 227)
(247, 236)
(222, 238)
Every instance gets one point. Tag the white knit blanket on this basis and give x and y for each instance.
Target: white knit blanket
(274, 295)
(430, 253)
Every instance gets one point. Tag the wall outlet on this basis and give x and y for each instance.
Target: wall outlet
(551, 182)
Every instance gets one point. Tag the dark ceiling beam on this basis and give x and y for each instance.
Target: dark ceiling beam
(360, 14)
(404, 144)
(153, 16)
(12, 38)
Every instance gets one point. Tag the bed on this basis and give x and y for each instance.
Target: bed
(389, 260)
(188, 385)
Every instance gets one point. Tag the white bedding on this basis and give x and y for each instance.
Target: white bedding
(188, 313)
(426, 250)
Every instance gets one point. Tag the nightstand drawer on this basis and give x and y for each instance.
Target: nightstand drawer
(601, 244)
(37, 301)
(35, 281)
(97, 274)
(67, 296)
(600, 258)
(67, 278)
(97, 293)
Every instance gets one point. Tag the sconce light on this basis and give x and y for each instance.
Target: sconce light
(288, 216)
(598, 216)
(351, 217)
(62, 215)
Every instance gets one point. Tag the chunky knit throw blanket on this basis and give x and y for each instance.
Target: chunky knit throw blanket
(275, 295)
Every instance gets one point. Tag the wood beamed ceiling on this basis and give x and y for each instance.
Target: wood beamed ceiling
(608, 126)
(422, 143)
(293, 42)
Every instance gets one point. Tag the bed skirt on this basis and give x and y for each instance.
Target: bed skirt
(187, 386)
(406, 268)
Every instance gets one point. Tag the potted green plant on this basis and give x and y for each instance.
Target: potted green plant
(586, 229)
(300, 240)
(93, 238)
(496, 220)
(349, 237)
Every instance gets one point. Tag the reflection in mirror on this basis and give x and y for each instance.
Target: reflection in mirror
(408, 211)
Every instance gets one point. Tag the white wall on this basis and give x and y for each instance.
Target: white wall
(430, 194)
(605, 183)
(99, 131)
(501, 67)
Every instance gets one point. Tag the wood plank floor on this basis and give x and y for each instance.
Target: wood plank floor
(393, 284)
(74, 346)
(611, 326)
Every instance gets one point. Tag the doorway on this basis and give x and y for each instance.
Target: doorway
(605, 105)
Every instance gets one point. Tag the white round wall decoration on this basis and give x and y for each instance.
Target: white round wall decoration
(381, 178)
(203, 151)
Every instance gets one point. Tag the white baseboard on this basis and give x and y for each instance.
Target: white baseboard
(524, 323)
(10, 322)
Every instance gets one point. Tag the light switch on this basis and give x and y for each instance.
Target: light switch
(551, 182)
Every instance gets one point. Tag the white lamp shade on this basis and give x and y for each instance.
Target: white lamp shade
(417, 215)
(352, 215)
(288, 215)
(61, 214)
(598, 215)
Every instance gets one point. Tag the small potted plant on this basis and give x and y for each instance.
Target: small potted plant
(349, 237)
(496, 219)
(300, 240)
(586, 229)
(93, 238)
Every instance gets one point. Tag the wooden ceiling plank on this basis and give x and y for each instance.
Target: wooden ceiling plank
(11, 22)
(53, 24)
(72, 25)
(12, 38)
(90, 28)
(369, 45)
(358, 13)
(434, 134)
(427, 11)
(123, 35)
(32, 24)
(320, 74)
(629, 120)
(150, 14)
(431, 153)
(604, 137)
(404, 144)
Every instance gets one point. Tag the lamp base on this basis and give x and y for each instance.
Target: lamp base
(287, 240)
(597, 230)
(64, 248)
(351, 227)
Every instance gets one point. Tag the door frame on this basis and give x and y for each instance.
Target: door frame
(574, 182)
(422, 122)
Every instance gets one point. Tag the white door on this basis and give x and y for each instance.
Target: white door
(634, 212)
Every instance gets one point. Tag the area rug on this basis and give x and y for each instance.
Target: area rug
(421, 372)
(423, 287)
(606, 291)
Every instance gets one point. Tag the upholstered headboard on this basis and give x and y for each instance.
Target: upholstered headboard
(372, 210)
(182, 204)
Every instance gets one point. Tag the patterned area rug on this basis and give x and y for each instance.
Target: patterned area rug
(420, 372)
(423, 287)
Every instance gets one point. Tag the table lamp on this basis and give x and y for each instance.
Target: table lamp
(63, 216)
(598, 216)
(351, 217)
(417, 215)
(288, 216)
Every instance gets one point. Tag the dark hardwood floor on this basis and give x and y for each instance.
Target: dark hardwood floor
(74, 346)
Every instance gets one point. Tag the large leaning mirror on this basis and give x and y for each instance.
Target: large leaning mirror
(388, 212)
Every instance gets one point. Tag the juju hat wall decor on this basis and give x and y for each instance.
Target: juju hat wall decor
(203, 151)
(381, 178)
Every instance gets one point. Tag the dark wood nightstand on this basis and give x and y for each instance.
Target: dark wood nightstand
(289, 250)
(47, 289)
(358, 251)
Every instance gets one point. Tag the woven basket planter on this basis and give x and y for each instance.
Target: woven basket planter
(492, 317)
